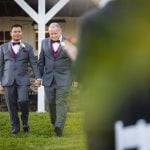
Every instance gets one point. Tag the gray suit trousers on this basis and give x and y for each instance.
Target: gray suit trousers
(56, 97)
(15, 94)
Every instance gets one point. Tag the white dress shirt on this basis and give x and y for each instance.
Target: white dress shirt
(16, 47)
(56, 45)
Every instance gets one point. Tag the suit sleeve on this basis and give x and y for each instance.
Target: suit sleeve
(41, 61)
(1, 63)
(33, 63)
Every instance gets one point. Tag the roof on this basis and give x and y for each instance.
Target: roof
(74, 8)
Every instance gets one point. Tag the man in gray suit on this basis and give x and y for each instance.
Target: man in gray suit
(14, 79)
(55, 68)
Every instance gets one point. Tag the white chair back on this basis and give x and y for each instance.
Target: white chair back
(134, 136)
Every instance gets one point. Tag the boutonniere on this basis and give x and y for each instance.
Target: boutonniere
(62, 43)
(22, 45)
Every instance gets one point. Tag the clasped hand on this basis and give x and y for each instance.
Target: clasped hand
(1, 88)
(37, 83)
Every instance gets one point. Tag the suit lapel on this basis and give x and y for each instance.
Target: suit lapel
(19, 52)
(59, 50)
(10, 49)
(60, 47)
(47, 48)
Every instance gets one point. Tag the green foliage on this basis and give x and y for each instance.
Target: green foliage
(41, 135)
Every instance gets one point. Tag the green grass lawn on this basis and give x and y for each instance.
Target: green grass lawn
(41, 135)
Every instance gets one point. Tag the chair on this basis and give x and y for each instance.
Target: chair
(135, 136)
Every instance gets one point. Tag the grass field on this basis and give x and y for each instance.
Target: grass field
(41, 135)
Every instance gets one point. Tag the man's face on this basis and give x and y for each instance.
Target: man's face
(54, 33)
(16, 33)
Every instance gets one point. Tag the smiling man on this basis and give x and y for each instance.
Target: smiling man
(14, 78)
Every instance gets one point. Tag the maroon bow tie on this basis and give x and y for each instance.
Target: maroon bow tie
(15, 43)
(58, 41)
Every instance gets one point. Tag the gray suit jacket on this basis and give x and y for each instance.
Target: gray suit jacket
(16, 69)
(51, 68)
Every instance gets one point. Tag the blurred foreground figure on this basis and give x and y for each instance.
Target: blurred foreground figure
(114, 68)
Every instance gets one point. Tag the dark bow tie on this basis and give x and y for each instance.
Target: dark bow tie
(58, 41)
(15, 43)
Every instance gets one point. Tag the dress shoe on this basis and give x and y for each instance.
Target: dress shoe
(15, 130)
(26, 128)
(58, 131)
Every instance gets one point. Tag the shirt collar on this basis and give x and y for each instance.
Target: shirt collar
(15, 41)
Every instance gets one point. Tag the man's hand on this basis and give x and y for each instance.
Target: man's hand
(70, 49)
(37, 83)
(1, 88)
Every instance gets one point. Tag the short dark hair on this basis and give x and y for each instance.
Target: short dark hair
(16, 25)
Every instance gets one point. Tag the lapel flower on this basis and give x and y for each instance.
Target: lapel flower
(62, 43)
(22, 45)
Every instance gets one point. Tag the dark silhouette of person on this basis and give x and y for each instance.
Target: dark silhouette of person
(113, 67)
